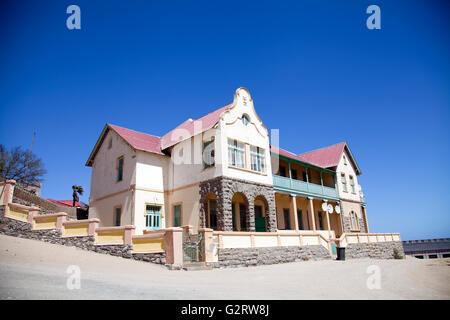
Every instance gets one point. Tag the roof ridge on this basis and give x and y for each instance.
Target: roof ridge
(300, 154)
(114, 125)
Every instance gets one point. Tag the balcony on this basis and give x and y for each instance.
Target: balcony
(299, 187)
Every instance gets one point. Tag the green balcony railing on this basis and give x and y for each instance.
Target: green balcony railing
(304, 188)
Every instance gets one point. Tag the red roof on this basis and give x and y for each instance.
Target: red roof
(190, 128)
(324, 157)
(139, 140)
(67, 203)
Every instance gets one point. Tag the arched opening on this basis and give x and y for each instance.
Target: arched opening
(211, 211)
(239, 210)
(261, 207)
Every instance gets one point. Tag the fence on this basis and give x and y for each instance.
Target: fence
(165, 241)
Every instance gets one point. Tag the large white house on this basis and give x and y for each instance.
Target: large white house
(220, 172)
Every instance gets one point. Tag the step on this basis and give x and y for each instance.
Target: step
(196, 266)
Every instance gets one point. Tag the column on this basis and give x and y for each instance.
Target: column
(311, 213)
(294, 209)
(8, 191)
(328, 223)
(363, 209)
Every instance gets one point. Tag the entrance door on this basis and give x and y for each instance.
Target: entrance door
(212, 214)
(243, 216)
(153, 217)
(260, 220)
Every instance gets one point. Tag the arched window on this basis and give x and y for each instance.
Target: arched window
(354, 221)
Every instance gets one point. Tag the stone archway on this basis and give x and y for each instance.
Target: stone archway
(260, 207)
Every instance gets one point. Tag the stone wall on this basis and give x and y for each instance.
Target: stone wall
(21, 229)
(347, 225)
(245, 257)
(378, 250)
(224, 188)
(29, 199)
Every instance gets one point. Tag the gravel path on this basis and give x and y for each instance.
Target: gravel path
(31, 269)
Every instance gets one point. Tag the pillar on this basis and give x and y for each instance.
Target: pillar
(173, 245)
(8, 191)
(128, 234)
(208, 245)
(294, 209)
(363, 209)
(311, 213)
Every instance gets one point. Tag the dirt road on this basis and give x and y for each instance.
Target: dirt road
(31, 269)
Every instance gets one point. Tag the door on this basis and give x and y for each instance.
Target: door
(243, 216)
(260, 220)
(153, 217)
(287, 219)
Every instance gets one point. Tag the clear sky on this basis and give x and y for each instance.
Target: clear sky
(313, 68)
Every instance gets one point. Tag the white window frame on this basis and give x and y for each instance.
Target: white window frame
(236, 152)
(258, 159)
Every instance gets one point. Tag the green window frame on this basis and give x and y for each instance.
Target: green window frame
(177, 215)
(152, 217)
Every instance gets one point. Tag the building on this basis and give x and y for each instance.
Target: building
(220, 172)
(427, 249)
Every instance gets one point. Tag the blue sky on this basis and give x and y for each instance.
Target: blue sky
(313, 68)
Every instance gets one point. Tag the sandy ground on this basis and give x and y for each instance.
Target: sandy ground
(31, 269)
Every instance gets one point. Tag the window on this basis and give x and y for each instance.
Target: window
(300, 220)
(117, 216)
(287, 220)
(119, 169)
(258, 159)
(321, 221)
(236, 153)
(344, 182)
(212, 214)
(354, 221)
(153, 217)
(283, 171)
(110, 143)
(245, 120)
(208, 154)
(352, 184)
(177, 215)
(345, 160)
(243, 216)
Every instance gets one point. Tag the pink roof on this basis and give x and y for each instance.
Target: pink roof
(139, 140)
(67, 203)
(190, 128)
(324, 157)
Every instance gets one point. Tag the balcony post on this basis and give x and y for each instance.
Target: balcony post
(307, 178)
(321, 182)
(311, 213)
(294, 209)
(290, 176)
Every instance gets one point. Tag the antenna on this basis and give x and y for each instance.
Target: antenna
(29, 156)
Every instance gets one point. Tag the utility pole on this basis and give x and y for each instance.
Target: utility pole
(29, 156)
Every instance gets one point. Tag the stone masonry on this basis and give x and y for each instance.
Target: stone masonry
(224, 188)
(245, 257)
(378, 250)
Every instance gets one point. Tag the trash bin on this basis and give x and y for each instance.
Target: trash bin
(340, 253)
